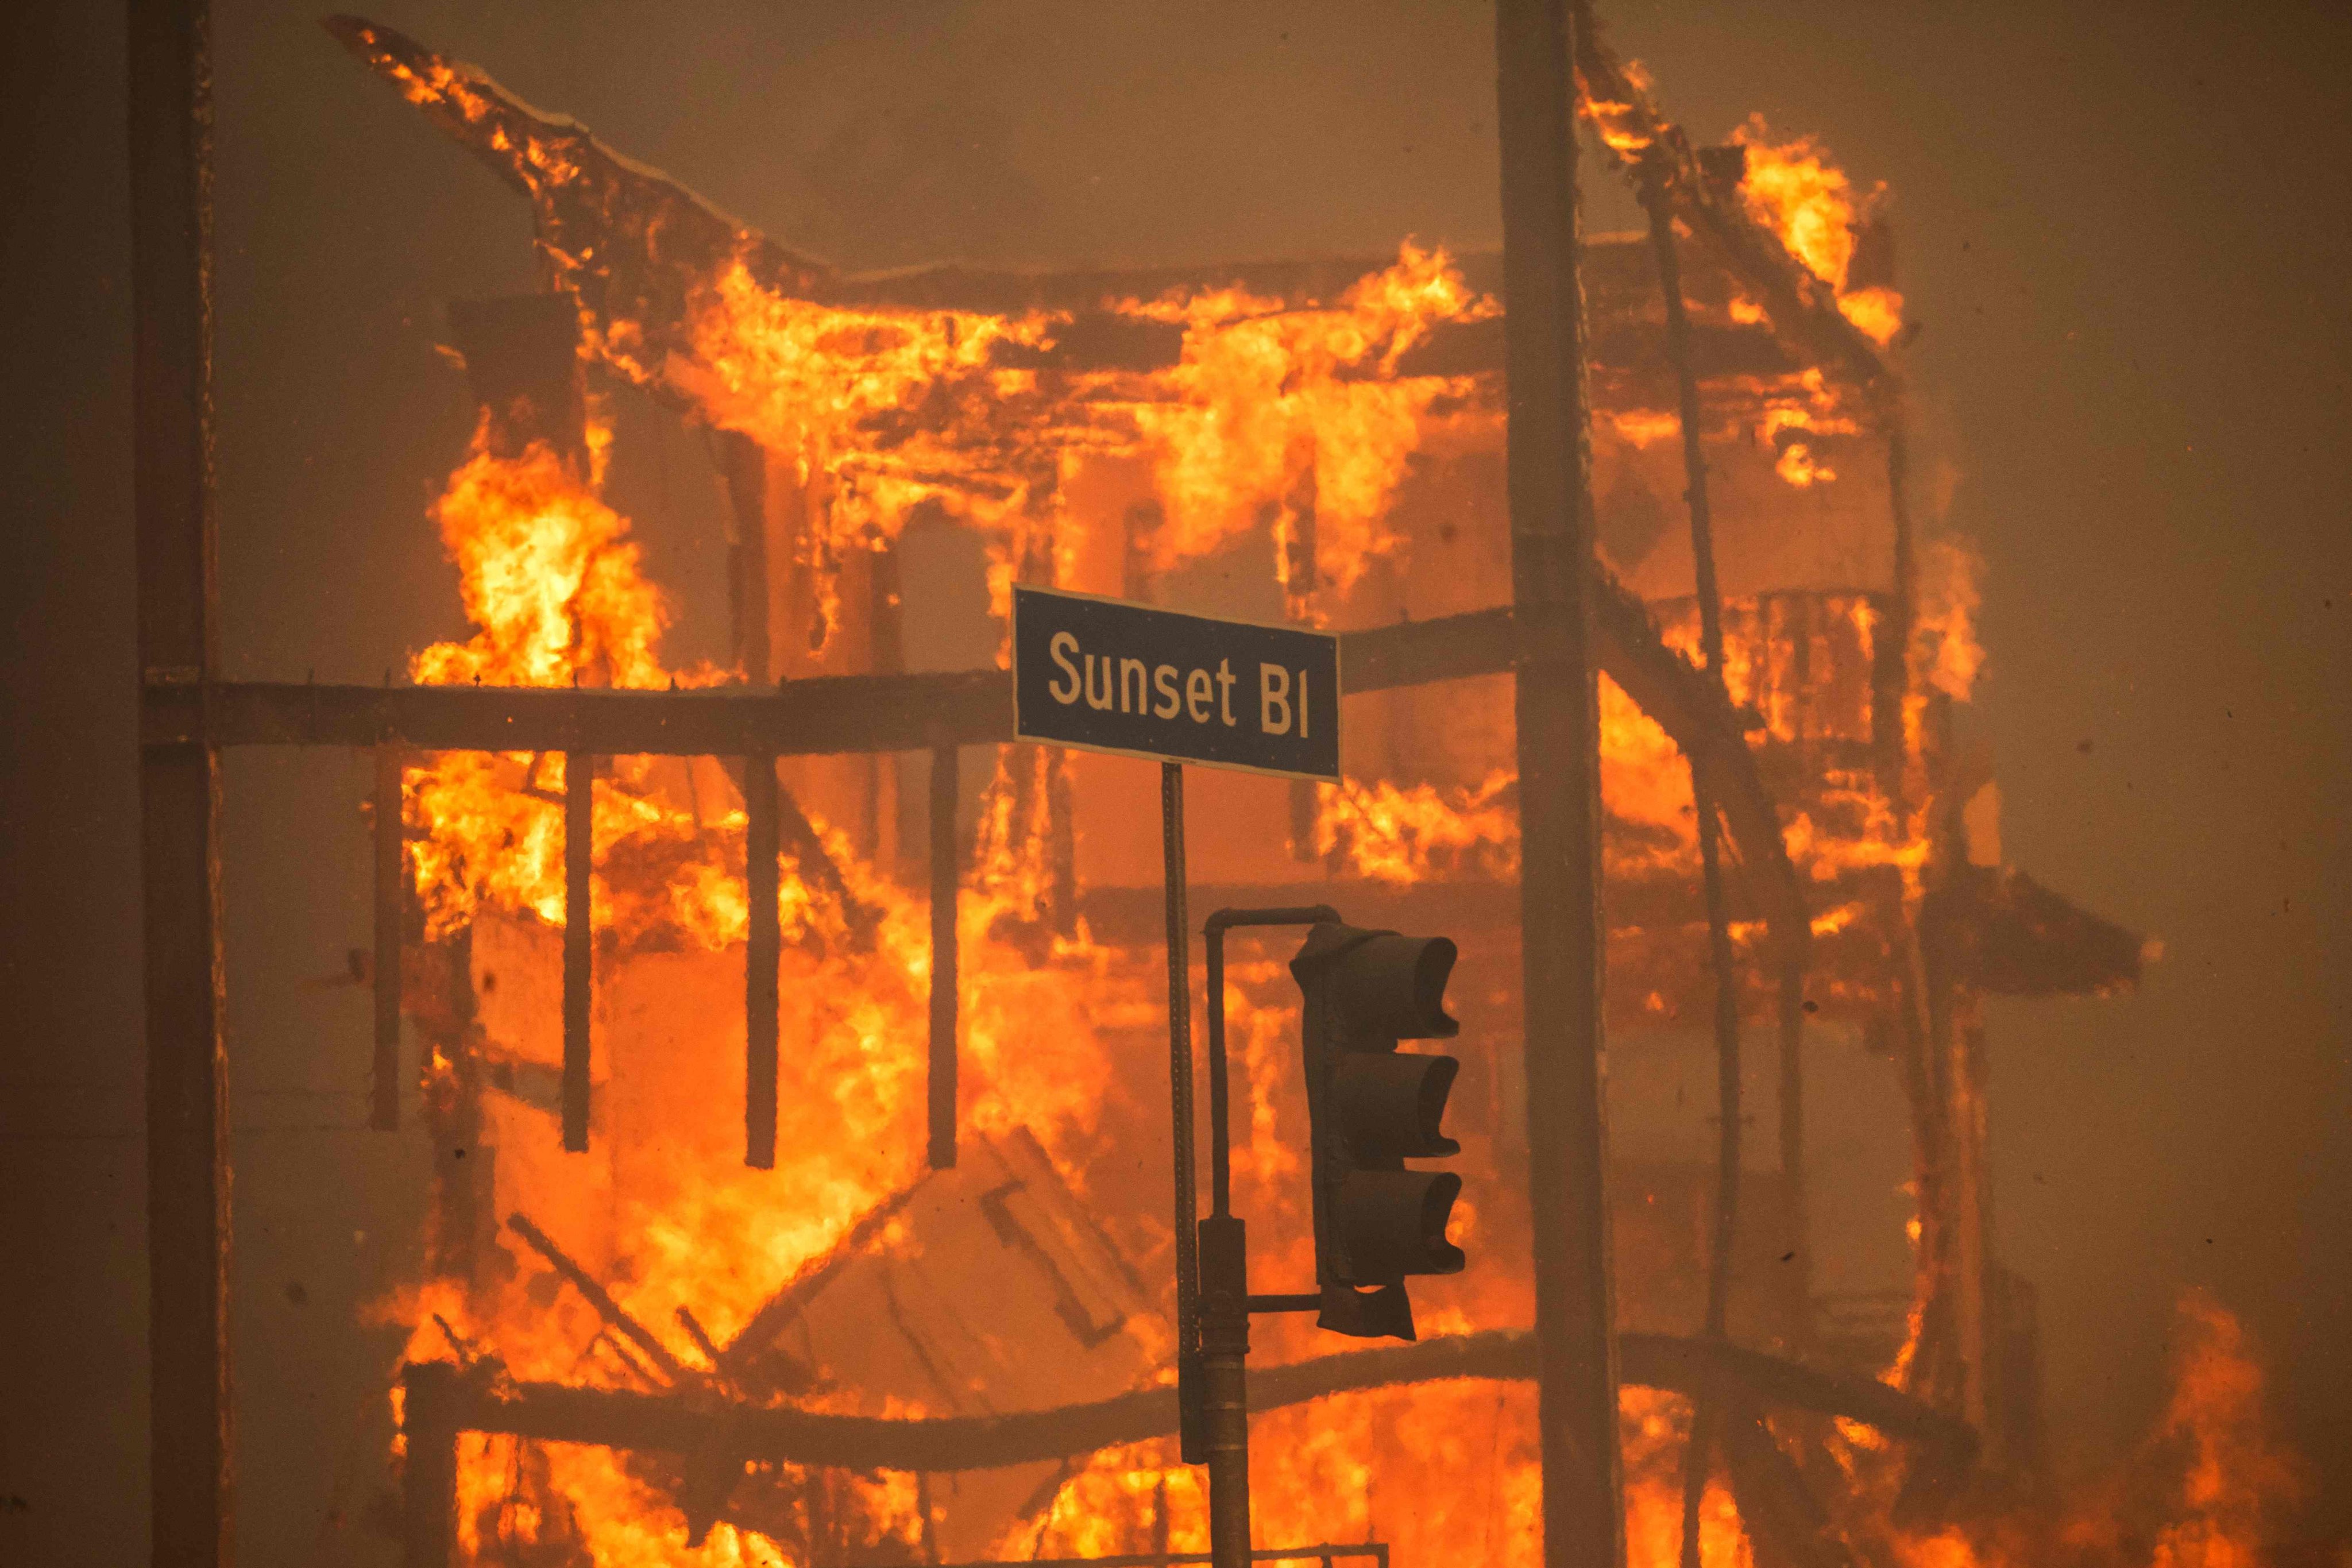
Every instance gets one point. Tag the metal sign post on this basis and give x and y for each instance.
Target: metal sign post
(1108, 675)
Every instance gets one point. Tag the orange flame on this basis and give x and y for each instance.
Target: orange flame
(1265, 400)
(1280, 416)
(1792, 188)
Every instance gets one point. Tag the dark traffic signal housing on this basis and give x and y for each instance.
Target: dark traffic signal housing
(1371, 1107)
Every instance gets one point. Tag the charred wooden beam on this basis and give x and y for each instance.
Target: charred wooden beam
(522, 361)
(670, 1424)
(616, 1318)
(1412, 653)
(742, 1356)
(744, 463)
(442, 1001)
(434, 1409)
(823, 715)
(817, 866)
(829, 714)
(2013, 937)
(903, 712)
(1705, 1410)
(579, 941)
(1783, 1518)
(598, 212)
(390, 921)
(947, 876)
(763, 949)
(1802, 308)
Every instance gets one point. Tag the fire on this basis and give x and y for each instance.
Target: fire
(1403, 834)
(1266, 400)
(1792, 188)
(2236, 1478)
(550, 580)
(1796, 466)
(1622, 125)
(1948, 601)
(556, 593)
(2210, 1487)
(1293, 419)
(1392, 833)
(555, 590)
(809, 380)
(1298, 413)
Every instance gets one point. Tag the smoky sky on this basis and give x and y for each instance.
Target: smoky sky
(2128, 234)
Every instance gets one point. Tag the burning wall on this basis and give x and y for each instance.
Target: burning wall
(1317, 441)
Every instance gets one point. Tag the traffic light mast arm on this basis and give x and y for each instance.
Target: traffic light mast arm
(1220, 1176)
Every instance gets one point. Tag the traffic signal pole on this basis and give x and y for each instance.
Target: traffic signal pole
(1548, 468)
(1217, 1408)
(1212, 1258)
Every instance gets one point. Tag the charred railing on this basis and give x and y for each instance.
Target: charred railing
(443, 1399)
(871, 713)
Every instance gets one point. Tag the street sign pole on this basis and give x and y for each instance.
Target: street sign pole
(1135, 680)
(1180, 1098)
(1211, 1255)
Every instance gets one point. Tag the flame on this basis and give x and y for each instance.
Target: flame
(1266, 401)
(1292, 416)
(1401, 834)
(2236, 1478)
(1792, 188)
(548, 577)
(2209, 1489)
(1796, 464)
(1946, 621)
(1639, 428)
(556, 594)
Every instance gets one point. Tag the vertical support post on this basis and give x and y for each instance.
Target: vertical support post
(1705, 1411)
(763, 948)
(887, 637)
(1179, 1100)
(1799, 1237)
(744, 464)
(390, 918)
(1890, 676)
(1556, 707)
(1792, 1141)
(170, 138)
(579, 941)
(947, 869)
(465, 1178)
(429, 1428)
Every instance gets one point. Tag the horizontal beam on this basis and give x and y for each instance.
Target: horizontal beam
(829, 714)
(821, 716)
(667, 1423)
(1688, 705)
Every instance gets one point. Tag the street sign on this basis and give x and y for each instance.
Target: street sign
(1108, 675)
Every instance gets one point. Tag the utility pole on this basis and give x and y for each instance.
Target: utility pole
(169, 49)
(1549, 462)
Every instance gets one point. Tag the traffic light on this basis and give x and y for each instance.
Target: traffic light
(1373, 1108)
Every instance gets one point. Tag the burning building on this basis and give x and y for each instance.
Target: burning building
(790, 1037)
